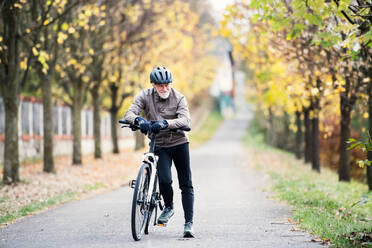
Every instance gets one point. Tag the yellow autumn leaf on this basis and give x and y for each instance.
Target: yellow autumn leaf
(64, 26)
(60, 40)
(112, 78)
(35, 51)
(72, 62)
(23, 64)
(88, 13)
(85, 79)
(17, 5)
(71, 30)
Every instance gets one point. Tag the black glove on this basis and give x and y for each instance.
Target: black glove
(158, 125)
(143, 124)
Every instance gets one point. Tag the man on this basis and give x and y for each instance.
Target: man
(167, 108)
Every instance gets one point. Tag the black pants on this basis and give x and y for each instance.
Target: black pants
(181, 158)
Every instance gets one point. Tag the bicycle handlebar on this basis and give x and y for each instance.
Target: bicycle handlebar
(135, 127)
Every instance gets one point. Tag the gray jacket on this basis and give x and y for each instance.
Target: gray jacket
(173, 109)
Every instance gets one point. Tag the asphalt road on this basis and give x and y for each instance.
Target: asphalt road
(231, 209)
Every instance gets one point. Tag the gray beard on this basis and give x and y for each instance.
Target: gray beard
(163, 96)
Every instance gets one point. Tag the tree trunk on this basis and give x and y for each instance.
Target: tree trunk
(315, 143)
(270, 137)
(46, 86)
(114, 132)
(11, 153)
(76, 123)
(96, 122)
(48, 124)
(369, 155)
(344, 160)
(10, 91)
(286, 142)
(140, 140)
(307, 123)
(113, 112)
(315, 132)
(298, 147)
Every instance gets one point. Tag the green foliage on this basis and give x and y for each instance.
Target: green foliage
(3, 199)
(32, 160)
(38, 205)
(255, 137)
(333, 211)
(364, 146)
(92, 187)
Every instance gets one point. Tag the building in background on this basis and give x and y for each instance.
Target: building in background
(223, 87)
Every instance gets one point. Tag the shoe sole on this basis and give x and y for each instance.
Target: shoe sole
(188, 235)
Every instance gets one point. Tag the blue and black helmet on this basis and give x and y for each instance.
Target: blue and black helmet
(161, 75)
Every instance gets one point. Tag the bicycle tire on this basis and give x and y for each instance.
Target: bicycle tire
(139, 206)
(152, 207)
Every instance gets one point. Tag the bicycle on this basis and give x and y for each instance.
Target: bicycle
(143, 203)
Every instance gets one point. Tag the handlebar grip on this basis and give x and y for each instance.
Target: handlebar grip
(185, 128)
(124, 122)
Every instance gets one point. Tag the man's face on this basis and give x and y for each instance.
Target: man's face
(163, 90)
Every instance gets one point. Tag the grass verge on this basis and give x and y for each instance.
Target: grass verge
(338, 212)
(207, 129)
(35, 206)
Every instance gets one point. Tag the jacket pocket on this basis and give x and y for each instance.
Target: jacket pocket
(170, 113)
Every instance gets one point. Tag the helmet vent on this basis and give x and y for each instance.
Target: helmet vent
(161, 75)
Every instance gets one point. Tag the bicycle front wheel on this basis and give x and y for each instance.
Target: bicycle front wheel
(155, 197)
(139, 205)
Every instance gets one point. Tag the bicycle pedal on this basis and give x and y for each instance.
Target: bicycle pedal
(132, 183)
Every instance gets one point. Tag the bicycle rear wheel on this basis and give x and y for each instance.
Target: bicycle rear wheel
(139, 205)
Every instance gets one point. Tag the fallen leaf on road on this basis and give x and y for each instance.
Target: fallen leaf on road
(317, 240)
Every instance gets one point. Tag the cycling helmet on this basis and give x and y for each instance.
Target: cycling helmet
(161, 75)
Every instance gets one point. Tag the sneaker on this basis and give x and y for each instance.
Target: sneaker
(188, 231)
(165, 215)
